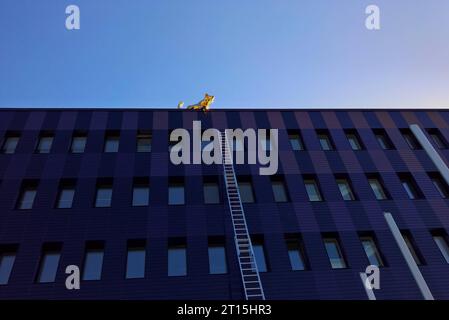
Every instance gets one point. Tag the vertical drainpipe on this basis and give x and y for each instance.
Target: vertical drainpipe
(431, 151)
(414, 269)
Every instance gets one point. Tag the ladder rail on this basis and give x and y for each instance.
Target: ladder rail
(241, 227)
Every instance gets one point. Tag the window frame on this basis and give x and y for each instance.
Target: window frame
(339, 250)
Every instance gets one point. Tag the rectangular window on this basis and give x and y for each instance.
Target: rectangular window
(27, 195)
(10, 143)
(111, 142)
(296, 141)
(78, 143)
(217, 256)
(7, 259)
(409, 241)
(144, 142)
(383, 139)
(259, 254)
(354, 140)
(312, 189)
(141, 192)
(439, 184)
(441, 240)
(177, 258)
(49, 262)
(438, 138)
(211, 192)
(410, 186)
(345, 189)
(376, 185)
(279, 189)
(246, 191)
(135, 263)
(45, 143)
(334, 253)
(103, 197)
(65, 195)
(296, 252)
(176, 192)
(325, 140)
(410, 138)
(93, 261)
(371, 251)
(207, 146)
(171, 144)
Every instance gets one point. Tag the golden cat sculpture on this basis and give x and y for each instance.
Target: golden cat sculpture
(203, 105)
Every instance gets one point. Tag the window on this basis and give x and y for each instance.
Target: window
(44, 144)
(334, 253)
(103, 197)
(279, 190)
(144, 142)
(296, 252)
(211, 192)
(410, 186)
(345, 189)
(409, 137)
(27, 195)
(141, 192)
(325, 140)
(111, 143)
(246, 191)
(419, 260)
(48, 267)
(176, 193)
(238, 144)
(312, 189)
(93, 261)
(371, 251)
(171, 144)
(376, 185)
(383, 139)
(440, 238)
(135, 263)
(7, 259)
(177, 259)
(354, 140)
(65, 196)
(438, 138)
(296, 141)
(440, 185)
(78, 143)
(217, 256)
(207, 146)
(259, 254)
(266, 144)
(10, 143)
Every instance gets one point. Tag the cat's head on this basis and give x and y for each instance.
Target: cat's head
(209, 99)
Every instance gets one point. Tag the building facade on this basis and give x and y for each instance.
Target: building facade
(95, 188)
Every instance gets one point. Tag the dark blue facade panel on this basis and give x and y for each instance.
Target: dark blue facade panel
(195, 223)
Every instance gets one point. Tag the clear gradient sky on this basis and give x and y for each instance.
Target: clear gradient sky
(250, 53)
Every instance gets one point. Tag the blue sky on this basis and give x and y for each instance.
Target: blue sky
(252, 53)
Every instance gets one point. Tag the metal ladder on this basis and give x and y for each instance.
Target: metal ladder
(252, 284)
